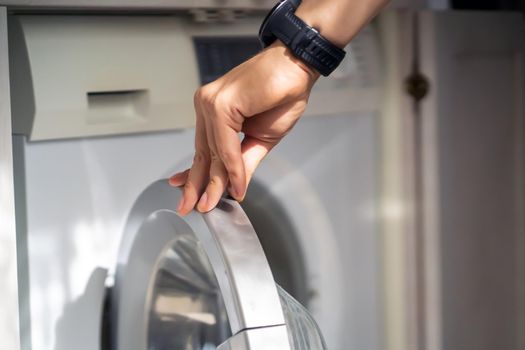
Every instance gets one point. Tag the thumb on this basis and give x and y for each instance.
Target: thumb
(253, 152)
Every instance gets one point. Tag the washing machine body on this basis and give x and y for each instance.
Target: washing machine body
(77, 195)
(76, 186)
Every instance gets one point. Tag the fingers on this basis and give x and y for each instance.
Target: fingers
(228, 146)
(179, 179)
(253, 152)
(198, 174)
(195, 184)
(216, 186)
(218, 176)
(207, 179)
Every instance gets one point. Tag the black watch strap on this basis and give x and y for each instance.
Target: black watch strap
(306, 42)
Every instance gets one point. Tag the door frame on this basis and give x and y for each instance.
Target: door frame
(9, 310)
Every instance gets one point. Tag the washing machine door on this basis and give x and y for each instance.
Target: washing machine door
(200, 282)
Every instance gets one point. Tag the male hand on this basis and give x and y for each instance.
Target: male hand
(262, 98)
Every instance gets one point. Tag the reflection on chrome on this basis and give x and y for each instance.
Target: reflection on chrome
(186, 307)
(169, 307)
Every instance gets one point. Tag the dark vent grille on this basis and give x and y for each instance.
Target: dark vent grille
(218, 55)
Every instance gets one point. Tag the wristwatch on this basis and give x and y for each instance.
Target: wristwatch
(305, 42)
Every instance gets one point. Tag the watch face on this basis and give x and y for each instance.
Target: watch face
(265, 35)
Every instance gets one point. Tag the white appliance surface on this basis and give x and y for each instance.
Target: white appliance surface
(73, 196)
(78, 194)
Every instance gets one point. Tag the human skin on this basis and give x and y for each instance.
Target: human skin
(263, 98)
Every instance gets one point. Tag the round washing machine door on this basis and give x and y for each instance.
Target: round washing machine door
(200, 282)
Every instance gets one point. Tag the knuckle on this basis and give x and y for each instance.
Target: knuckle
(221, 102)
(221, 105)
(198, 93)
(203, 95)
(234, 174)
(200, 156)
(217, 180)
(197, 97)
(227, 156)
(214, 156)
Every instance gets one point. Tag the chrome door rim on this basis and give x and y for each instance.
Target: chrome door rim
(235, 254)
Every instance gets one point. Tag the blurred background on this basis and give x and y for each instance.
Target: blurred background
(393, 211)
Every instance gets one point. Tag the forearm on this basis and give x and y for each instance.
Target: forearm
(339, 20)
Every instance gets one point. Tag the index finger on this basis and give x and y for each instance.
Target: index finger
(229, 151)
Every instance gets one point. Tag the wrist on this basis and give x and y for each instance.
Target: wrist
(338, 21)
(304, 42)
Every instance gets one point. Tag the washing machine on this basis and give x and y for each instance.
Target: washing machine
(103, 114)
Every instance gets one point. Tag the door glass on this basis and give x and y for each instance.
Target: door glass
(303, 331)
(186, 307)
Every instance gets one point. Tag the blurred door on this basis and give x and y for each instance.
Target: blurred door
(471, 189)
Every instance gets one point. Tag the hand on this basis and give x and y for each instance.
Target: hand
(262, 98)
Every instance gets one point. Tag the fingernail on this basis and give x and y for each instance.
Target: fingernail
(231, 191)
(239, 193)
(203, 201)
(173, 180)
(234, 192)
(181, 204)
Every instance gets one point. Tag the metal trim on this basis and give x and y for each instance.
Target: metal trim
(267, 338)
(9, 310)
(236, 256)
